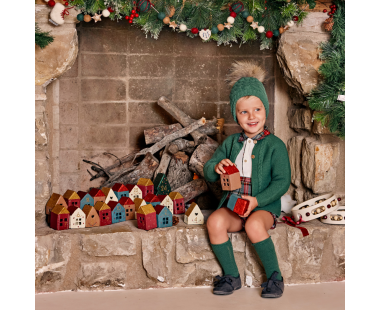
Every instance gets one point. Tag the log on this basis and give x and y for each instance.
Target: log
(182, 117)
(192, 189)
(178, 171)
(144, 170)
(178, 134)
(181, 144)
(211, 143)
(210, 128)
(156, 134)
(164, 163)
(117, 175)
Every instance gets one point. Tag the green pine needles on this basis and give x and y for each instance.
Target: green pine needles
(42, 39)
(324, 98)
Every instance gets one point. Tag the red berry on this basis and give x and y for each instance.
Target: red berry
(331, 6)
(133, 11)
(265, 8)
(132, 15)
(110, 9)
(194, 30)
(325, 217)
(66, 3)
(330, 13)
(339, 199)
(138, 10)
(136, 15)
(127, 17)
(233, 14)
(295, 18)
(324, 11)
(130, 21)
(51, 3)
(269, 34)
(328, 206)
(307, 214)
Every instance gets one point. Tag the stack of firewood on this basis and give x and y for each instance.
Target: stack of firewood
(178, 152)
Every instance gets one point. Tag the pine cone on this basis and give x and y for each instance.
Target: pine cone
(175, 220)
(329, 24)
(172, 11)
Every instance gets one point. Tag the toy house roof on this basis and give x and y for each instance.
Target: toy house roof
(100, 205)
(81, 194)
(139, 201)
(126, 201)
(87, 209)
(118, 187)
(146, 209)
(72, 209)
(113, 204)
(130, 186)
(107, 191)
(151, 198)
(191, 209)
(158, 179)
(161, 197)
(70, 195)
(52, 202)
(175, 195)
(159, 208)
(96, 192)
(230, 169)
(58, 209)
(144, 182)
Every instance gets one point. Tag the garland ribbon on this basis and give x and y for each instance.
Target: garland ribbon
(289, 221)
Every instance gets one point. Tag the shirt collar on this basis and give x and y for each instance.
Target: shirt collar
(259, 136)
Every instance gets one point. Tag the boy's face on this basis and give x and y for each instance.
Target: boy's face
(250, 114)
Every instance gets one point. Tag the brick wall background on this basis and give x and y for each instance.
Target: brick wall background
(109, 96)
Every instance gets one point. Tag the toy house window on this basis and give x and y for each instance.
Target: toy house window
(104, 217)
(166, 220)
(92, 216)
(61, 220)
(75, 202)
(131, 210)
(60, 224)
(127, 214)
(65, 219)
(180, 204)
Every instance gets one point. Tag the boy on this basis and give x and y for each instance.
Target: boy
(263, 162)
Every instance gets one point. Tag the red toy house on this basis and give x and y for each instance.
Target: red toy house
(129, 207)
(178, 203)
(55, 199)
(72, 198)
(146, 186)
(104, 212)
(59, 218)
(231, 179)
(146, 217)
(152, 199)
(98, 195)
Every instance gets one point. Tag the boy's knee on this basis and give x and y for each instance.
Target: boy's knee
(254, 226)
(215, 223)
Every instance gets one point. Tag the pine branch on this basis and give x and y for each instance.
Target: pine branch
(42, 39)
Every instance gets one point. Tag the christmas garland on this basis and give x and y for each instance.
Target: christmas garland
(221, 20)
(42, 39)
(328, 97)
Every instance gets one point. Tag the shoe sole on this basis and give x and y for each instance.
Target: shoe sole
(226, 293)
(270, 296)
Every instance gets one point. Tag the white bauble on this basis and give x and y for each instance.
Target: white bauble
(230, 20)
(261, 29)
(106, 13)
(290, 23)
(182, 27)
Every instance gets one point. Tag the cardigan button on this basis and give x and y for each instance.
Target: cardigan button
(249, 141)
(253, 156)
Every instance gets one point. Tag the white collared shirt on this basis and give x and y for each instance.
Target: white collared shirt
(244, 159)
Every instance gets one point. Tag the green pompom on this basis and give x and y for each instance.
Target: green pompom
(161, 15)
(245, 14)
(276, 33)
(214, 30)
(80, 17)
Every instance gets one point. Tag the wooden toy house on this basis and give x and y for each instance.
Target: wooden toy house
(110, 194)
(55, 199)
(166, 201)
(193, 215)
(161, 185)
(146, 217)
(152, 199)
(138, 203)
(71, 198)
(231, 179)
(104, 212)
(134, 191)
(98, 195)
(164, 216)
(120, 190)
(85, 199)
(146, 186)
(237, 204)
(77, 217)
(178, 203)
(129, 207)
(59, 218)
(118, 212)
(92, 217)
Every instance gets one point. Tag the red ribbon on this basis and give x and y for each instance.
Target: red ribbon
(290, 221)
(65, 12)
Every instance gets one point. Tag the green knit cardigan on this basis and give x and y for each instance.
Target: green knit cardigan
(270, 170)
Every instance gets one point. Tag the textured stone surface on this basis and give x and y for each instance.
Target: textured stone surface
(319, 162)
(120, 243)
(300, 119)
(294, 151)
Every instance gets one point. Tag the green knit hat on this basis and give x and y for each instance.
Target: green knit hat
(246, 80)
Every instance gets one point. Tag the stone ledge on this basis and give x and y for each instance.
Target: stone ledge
(120, 256)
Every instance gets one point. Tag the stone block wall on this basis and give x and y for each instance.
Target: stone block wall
(108, 97)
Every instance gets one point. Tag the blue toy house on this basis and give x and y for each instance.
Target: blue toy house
(117, 211)
(164, 216)
(85, 199)
(120, 190)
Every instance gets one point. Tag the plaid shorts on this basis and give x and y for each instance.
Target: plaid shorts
(246, 189)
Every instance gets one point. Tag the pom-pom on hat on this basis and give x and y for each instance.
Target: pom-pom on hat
(246, 79)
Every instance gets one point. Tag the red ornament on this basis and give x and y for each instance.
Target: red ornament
(127, 17)
(130, 21)
(307, 214)
(110, 9)
(51, 3)
(324, 11)
(133, 11)
(194, 30)
(295, 18)
(328, 206)
(339, 199)
(269, 34)
(66, 3)
(136, 15)
(233, 14)
(325, 217)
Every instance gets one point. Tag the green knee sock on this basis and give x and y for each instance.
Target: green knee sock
(225, 255)
(267, 253)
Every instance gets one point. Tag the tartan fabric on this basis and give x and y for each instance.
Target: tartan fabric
(246, 189)
(259, 136)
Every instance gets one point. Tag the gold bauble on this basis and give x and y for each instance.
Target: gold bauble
(87, 18)
(220, 27)
(281, 30)
(166, 20)
(250, 19)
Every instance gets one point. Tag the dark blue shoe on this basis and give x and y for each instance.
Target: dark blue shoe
(226, 285)
(273, 288)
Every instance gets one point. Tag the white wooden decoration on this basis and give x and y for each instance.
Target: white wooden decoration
(77, 219)
(167, 202)
(195, 216)
(205, 34)
(135, 193)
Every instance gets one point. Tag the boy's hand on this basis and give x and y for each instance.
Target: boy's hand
(219, 167)
(252, 204)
